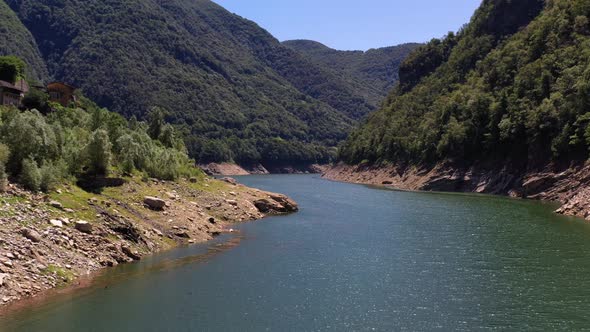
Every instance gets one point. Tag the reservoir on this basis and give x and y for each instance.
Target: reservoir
(355, 258)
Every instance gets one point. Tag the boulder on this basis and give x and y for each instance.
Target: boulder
(56, 204)
(193, 180)
(212, 220)
(130, 253)
(230, 180)
(387, 183)
(31, 235)
(3, 276)
(171, 196)
(155, 203)
(83, 226)
(276, 204)
(56, 223)
(232, 202)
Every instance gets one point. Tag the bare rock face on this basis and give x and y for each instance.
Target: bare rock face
(83, 226)
(31, 235)
(155, 203)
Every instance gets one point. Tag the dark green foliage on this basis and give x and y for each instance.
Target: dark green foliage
(98, 152)
(371, 74)
(36, 99)
(219, 77)
(514, 88)
(16, 40)
(11, 68)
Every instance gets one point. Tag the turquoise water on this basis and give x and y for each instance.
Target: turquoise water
(354, 258)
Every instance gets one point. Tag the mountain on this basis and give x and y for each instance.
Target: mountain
(509, 90)
(15, 39)
(372, 73)
(501, 107)
(233, 90)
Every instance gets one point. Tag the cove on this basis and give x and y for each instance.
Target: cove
(355, 258)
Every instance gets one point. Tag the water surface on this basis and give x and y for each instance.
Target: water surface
(354, 258)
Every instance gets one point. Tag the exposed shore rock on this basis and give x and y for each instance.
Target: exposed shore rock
(154, 203)
(121, 227)
(276, 204)
(227, 169)
(571, 187)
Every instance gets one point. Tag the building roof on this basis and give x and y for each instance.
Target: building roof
(4, 84)
(64, 84)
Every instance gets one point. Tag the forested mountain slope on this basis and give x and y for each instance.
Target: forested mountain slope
(372, 73)
(236, 92)
(510, 89)
(15, 39)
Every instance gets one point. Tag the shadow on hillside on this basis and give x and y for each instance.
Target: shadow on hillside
(96, 184)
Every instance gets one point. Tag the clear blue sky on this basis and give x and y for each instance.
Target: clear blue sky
(356, 24)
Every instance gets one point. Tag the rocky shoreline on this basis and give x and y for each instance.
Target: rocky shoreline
(569, 187)
(229, 169)
(48, 241)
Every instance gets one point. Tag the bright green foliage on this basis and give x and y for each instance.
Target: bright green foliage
(30, 176)
(513, 85)
(28, 135)
(11, 68)
(41, 151)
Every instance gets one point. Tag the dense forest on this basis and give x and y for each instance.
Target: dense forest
(16, 40)
(511, 87)
(232, 90)
(372, 73)
(43, 143)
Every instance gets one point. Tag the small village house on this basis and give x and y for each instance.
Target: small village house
(12, 94)
(61, 93)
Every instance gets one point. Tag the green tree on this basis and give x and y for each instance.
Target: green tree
(98, 152)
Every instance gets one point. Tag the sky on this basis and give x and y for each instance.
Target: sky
(356, 24)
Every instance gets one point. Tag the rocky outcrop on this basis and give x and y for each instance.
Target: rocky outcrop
(276, 203)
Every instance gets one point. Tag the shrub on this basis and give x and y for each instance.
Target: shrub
(30, 176)
(51, 174)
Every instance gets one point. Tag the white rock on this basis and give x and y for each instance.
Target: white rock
(56, 223)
